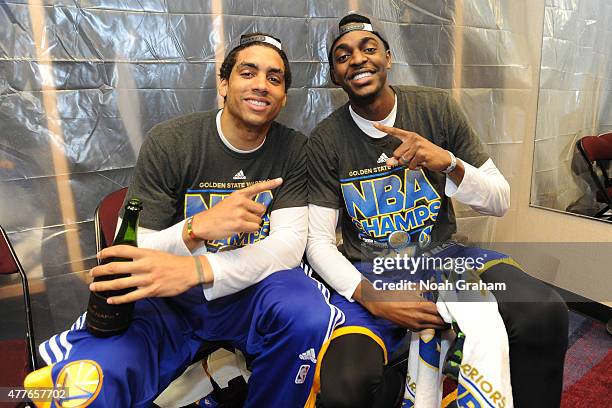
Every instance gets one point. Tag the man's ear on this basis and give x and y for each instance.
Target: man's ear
(388, 59)
(223, 88)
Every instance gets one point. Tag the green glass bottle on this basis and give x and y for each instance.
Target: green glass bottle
(104, 320)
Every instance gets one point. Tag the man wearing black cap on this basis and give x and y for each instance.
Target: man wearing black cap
(390, 159)
(226, 191)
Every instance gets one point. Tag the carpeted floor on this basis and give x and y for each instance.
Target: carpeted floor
(587, 380)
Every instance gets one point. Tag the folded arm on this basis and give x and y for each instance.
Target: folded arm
(484, 188)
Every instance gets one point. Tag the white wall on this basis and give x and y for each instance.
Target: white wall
(587, 274)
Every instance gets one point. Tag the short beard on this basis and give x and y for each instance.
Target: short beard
(362, 99)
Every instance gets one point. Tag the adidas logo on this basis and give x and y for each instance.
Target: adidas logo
(239, 176)
(309, 355)
(382, 159)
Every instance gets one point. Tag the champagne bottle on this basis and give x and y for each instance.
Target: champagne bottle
(104, 320)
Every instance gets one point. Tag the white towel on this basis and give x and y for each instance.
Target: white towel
(484, 375)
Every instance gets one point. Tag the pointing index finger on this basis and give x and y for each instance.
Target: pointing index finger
(398, 133)
(257, 188)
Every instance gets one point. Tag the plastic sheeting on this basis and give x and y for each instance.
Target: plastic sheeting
(81, 82)
(575, 101)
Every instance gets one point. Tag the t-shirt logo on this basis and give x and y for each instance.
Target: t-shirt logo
(197, 201)
(382, 158)
(239, 176)
(381, 204)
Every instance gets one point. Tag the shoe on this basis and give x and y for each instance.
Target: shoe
(232, 396)
(452, 364)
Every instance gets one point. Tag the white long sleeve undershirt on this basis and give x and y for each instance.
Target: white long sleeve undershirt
(484, 189)
(240, 268)
(323, 254)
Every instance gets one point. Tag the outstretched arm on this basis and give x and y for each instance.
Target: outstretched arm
(160, 274)
(404, 308)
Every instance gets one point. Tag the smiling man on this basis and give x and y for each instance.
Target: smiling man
(391, 158)
(224, 196)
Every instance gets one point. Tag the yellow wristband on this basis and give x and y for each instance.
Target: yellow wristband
(190, 232)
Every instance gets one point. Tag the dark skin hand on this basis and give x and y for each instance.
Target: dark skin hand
(416, 152)
(404, 308)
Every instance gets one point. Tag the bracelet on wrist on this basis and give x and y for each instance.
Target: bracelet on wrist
(199, 269)
(452, 164)
(190, 233)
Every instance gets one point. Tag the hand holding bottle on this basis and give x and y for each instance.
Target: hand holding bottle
(104, 319)
(153, 273)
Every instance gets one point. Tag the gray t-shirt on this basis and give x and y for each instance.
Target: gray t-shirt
(347, 171)
(184, 168)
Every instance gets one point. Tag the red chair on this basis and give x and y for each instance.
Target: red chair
(18, 357)
(597, 152)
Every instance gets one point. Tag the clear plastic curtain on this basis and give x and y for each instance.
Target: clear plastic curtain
(81, 83)
(574, 100)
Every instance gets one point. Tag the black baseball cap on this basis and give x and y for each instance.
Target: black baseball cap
(260, 37)
(354, 21)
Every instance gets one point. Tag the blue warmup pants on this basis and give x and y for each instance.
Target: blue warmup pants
(281, 323)
(534, 315)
